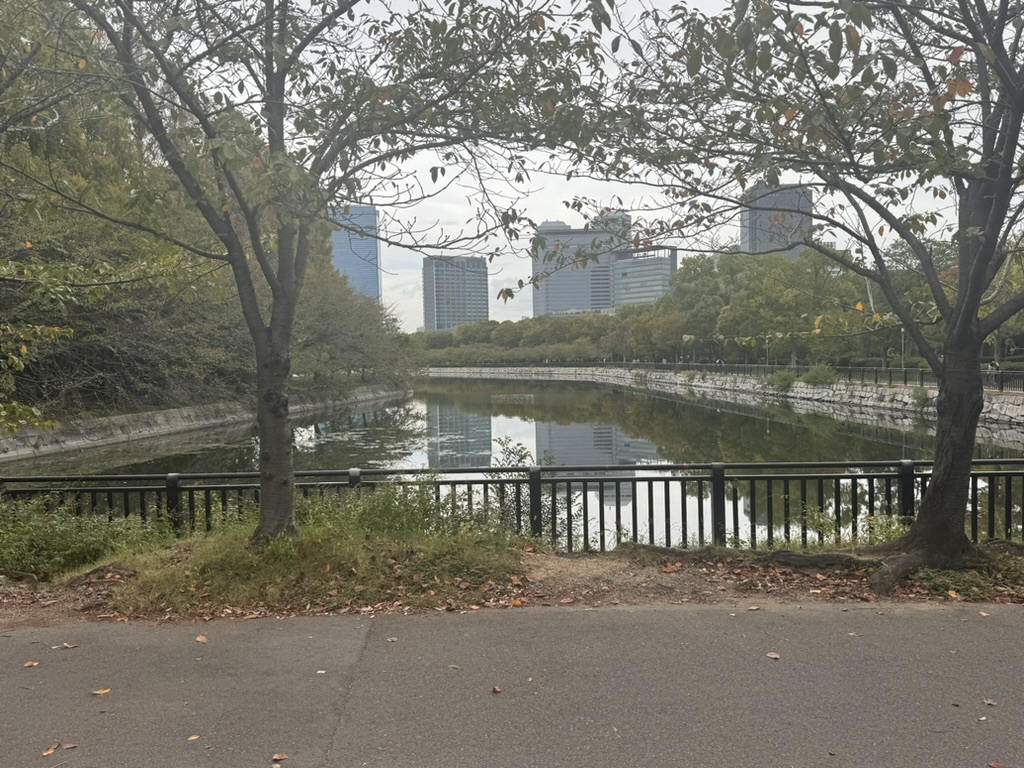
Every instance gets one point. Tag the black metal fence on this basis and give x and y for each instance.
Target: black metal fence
(595, 507)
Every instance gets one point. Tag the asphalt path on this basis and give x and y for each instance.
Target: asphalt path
(860, 686)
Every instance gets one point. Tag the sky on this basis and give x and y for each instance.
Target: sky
(545, 198)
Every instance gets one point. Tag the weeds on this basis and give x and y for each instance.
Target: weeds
(820, 375)
(782, 380)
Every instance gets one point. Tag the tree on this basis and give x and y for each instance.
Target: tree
(905, 118)
(269, 114)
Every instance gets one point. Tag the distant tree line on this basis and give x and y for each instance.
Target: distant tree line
(736, 308)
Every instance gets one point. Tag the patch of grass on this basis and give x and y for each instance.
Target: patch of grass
(44, 541)
(999, 577)
(389, 546)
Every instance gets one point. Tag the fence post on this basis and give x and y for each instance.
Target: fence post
(174, 501)
(354, 477)
(536, 517)
(718, 503)
(906, 475)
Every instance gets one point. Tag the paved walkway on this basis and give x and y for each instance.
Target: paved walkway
(690, 686)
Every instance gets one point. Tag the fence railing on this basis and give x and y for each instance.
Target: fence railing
(596, 507)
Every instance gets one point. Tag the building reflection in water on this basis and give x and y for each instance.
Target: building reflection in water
(456, 439)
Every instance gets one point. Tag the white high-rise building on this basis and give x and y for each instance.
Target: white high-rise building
(455, 291)
(579, 275)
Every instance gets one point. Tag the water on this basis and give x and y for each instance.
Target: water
(448, 425)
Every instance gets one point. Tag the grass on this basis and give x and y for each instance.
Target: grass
(391, 546)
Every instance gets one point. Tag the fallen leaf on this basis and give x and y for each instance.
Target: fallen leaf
(982, 613)
(201, 639)
(51, 750)
(672, 567)
(819, 576)
(773, 655)
(31, 664)
(990, 702)
(495, 689)
(516, 581)
(392, 639)
(193, 738)
(853, 634)
(982, 719)
(279, 756)
(953, 593)
(566, 600)
(517, 603)
(70, 746)
(70, 645)
(101, 692)
(754, 608)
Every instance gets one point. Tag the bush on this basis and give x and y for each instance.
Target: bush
(820, 375)
(43, 541)
(782, 381)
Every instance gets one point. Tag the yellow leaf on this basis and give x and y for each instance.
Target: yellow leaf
(193, 738)
(201, 639)
(81, 63)
(876, 319)
(860, 306)
(31, 664)
(101, 692)
(28, 243)
(24, 349)
(817, 321)
(51, 750)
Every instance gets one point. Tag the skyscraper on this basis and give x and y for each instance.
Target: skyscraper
(774, 218)
(454, 291)
(642, 275)
(355, 251)
(573, 286)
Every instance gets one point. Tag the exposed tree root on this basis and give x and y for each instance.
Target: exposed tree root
(894, 570)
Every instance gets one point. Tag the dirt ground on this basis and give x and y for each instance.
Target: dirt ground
(629, 576)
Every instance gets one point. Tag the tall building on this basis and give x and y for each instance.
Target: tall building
(773, 218)
(455, 291)
(642, 275)
(355, 250)
(574, 286)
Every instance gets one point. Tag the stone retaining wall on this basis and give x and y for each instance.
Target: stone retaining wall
(1002, 421)
(136, 427)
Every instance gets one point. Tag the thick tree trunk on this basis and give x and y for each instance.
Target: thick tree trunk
(277, 490)
(937, 537)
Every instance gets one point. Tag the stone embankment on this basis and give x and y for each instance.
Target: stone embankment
(1002, 422)
(188, 423)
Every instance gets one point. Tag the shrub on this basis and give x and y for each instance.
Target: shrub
(45, 541)
(820, 375)
(782, 381)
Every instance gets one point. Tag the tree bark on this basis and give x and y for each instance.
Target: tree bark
(937, 538)
(277, 488)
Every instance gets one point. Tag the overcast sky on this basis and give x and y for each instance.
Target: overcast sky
(402, 278)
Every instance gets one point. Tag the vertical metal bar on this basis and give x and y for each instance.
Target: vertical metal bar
(668, 516)
(753, 517)
(586, 517)
(803, 506)
(974, 508)
(632, 485)
(770, 528)
(821, 506)
(650, 511)
(787, 509)
(173, 491)
(854, 509)
(618, 512)
(536, 523)
(208, 508)
(554, 513)
(700, 513)
(837, 501)
(906, 475)
(718, 503)
(600, 513)
(1008, 509)
(992, 490)
(568, 516)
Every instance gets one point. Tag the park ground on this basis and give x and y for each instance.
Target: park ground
(629, 576)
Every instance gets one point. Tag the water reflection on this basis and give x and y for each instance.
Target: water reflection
(456, 438)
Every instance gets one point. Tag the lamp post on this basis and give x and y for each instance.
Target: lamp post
(903, 345)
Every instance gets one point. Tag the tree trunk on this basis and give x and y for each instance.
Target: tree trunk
(277, 490)
(937, 537)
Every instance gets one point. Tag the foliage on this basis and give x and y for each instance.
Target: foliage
(44, 540)
(820, 375)
(783, 381)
